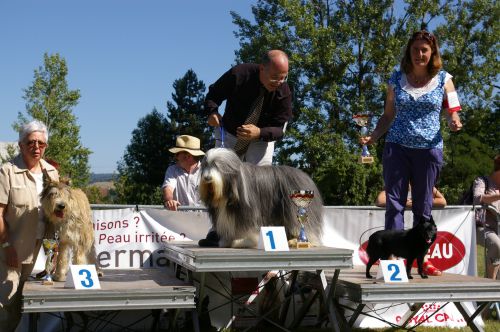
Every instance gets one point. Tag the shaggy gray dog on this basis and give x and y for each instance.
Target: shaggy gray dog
(242, 197)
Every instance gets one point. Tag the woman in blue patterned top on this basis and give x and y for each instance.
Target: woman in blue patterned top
(413, 151)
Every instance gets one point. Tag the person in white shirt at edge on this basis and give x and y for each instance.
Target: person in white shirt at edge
(180, 187)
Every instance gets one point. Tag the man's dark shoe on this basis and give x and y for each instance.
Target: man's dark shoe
(211, 240)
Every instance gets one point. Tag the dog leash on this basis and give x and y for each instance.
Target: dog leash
(222, 134)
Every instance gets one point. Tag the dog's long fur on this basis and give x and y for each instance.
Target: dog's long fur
(242, 197)
(68, 212)
(410, 244)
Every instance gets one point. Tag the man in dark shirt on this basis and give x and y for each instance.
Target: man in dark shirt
(240, 87)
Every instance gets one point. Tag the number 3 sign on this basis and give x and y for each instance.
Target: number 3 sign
(82, 277)
(392, 271)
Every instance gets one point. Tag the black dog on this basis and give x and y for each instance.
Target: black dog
(411, 244)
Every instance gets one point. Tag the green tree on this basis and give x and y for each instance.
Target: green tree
(11, 150)
(142, 168)
(185, 115)
(341, 55)
(97, 195)
(470, 49)
(49, 100)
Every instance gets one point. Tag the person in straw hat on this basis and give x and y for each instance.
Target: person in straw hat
(180, 186)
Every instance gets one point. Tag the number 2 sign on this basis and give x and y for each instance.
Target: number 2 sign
(392, 271)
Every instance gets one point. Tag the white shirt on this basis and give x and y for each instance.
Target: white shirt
(185, 184)
(40, 231)
(418, 92)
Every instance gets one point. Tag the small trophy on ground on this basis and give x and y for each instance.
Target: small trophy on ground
(302, 199)
(362, 121)
(51, 251)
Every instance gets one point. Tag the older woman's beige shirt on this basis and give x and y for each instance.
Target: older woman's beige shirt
(18, 193)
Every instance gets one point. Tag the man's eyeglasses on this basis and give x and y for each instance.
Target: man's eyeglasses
(31, 144)
(281, 81)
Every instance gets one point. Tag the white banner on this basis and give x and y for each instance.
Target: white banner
(454, 251)
(130, 239)
(126, 238)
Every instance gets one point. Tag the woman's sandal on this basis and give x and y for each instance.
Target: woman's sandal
(431, 270)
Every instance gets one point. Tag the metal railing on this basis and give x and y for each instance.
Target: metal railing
(139, 207)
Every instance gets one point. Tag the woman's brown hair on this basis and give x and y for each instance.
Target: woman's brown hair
(435, 63)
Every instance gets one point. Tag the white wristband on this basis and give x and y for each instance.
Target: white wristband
(5, 245)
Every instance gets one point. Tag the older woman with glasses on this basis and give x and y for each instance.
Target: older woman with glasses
(21, 222)
(417, 95)
(258, 107)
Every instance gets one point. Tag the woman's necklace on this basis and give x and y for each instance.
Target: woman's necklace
(419, 81)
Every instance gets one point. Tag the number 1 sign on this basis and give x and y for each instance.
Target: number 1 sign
(273, 239)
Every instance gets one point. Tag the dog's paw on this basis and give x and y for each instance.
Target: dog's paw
(60, 277)
(410, 277)
(369, 276)
(242, 243)
(292, 243)
(247, 242)
(250, 240)
(424, 276)
(208, 243)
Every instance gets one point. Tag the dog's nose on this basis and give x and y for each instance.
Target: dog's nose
(208, 178)
(61, 206)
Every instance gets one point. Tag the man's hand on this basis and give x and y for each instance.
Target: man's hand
(366, 140)
(248, 132)
(171, 204)
(214, 119)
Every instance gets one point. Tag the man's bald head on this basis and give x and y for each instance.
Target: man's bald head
(274, 69)
(275, 58)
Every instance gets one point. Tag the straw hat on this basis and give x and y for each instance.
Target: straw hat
(189, 144)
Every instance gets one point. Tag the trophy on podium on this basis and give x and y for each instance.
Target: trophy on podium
(302, 199)
(51, 251)
(362, 121)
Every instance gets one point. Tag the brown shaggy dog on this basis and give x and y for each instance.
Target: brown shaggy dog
(68, 212)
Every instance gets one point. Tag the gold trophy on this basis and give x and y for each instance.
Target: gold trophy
(51, 251)
(362, 121)
(302, 199)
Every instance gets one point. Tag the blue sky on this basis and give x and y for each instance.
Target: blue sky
(122, 55)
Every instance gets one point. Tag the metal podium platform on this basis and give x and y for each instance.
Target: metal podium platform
(120, 290)
(354, 286)
(201, 260)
